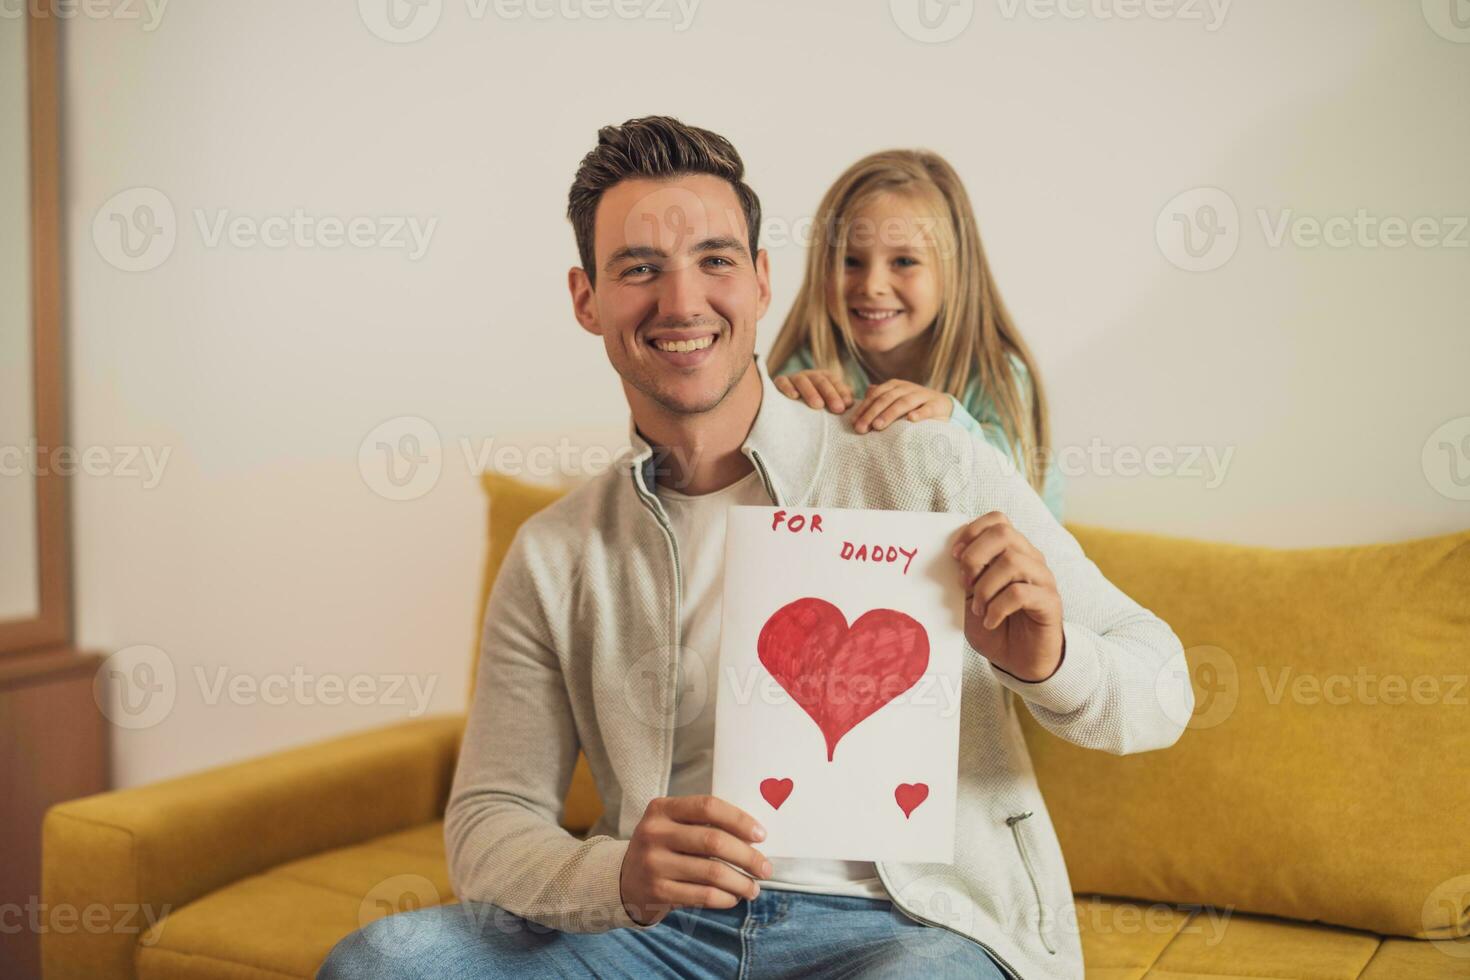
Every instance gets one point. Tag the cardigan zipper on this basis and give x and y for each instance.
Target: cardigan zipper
(1014, 822)
(673, 689)
(760, 467)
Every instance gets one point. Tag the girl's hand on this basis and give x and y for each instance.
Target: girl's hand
(1013, 611)
(817, 388)
(892, 400)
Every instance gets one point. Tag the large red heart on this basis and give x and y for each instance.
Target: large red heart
(841, 675)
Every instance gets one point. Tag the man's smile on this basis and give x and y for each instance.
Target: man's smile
(686, 348)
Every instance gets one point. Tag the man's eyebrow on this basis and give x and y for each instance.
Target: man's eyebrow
(721, 243)
(724, 243)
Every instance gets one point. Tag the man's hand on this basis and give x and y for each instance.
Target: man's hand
(675, 857)
(1014, 612)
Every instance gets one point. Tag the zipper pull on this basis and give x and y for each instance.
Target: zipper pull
(1017, 818)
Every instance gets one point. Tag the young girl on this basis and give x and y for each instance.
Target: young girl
(898, 309)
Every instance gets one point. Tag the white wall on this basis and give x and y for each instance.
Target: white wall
(264, 549)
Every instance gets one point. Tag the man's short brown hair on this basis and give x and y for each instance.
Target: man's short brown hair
(654, 147)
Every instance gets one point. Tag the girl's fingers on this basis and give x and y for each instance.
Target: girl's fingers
(818, 389)
(934, 408)
(840, 383)
(898, 408)
(830, 395)
(871, 407)
(808, 391)
(877, 400)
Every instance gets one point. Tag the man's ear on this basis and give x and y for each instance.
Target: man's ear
(763, 283)
(584, 302)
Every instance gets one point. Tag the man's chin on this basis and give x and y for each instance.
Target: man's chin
(690, 395)
(681, 402)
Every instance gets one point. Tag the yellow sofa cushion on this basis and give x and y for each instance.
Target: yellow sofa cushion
(1131, 940)
(146, 850)
(1323, 774)
(286, 920)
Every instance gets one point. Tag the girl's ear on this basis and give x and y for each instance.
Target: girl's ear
(763, 283)
(584, 300)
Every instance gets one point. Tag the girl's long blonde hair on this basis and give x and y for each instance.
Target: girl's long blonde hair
(973, 331)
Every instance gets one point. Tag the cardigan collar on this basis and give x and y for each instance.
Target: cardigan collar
(786, 445)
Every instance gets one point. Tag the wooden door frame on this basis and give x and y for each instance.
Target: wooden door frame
(52, 625)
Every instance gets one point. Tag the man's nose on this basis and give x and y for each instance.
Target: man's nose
(682, 296)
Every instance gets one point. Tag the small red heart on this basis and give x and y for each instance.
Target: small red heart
(776, 790)
(910, 795)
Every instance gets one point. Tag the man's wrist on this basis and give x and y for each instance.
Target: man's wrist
(1050, 674)
(633, 914)
(633, 910)
(653, 920)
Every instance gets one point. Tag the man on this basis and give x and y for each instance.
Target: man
(602, 632)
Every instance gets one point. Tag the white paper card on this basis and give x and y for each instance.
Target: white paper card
(837, 719)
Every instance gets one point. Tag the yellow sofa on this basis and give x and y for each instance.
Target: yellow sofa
(1311, 823)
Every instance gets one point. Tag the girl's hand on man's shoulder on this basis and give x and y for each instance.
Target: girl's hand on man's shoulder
(818, 388)
(889, 401)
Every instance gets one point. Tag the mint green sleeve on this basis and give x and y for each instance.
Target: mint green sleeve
(800, 361)
(961, 417)
(965, 416)
(1051, 490)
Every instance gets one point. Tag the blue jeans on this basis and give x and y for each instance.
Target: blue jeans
(780, 934)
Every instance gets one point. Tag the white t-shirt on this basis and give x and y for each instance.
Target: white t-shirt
(699, 529)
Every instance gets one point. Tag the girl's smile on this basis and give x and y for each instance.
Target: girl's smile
(873, 318)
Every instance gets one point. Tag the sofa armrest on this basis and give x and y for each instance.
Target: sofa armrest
(115, 863)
